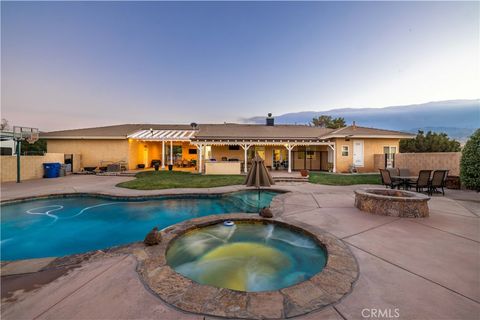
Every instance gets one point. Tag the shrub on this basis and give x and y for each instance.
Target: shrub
(470, 162)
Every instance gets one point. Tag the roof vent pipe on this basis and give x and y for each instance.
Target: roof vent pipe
(270, 120)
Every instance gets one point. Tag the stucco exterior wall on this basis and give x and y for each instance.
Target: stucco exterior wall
(31, 167)
(92, 152)
(222, 151)
(370, 148)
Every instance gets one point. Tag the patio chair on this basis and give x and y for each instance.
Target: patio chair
(393, 171)
(438, 181)
(404, 172)
(152, 163)
(387, 180)
(423, 181)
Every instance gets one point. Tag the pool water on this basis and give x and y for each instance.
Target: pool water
(247, 256)
(61, 226)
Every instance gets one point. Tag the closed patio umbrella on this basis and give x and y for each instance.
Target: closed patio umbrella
(258, 176)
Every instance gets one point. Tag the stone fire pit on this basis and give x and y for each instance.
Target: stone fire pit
(390, 202)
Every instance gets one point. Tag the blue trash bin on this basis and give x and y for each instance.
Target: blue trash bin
(57, 166)
(51, 170)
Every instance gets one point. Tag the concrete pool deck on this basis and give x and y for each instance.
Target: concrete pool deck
(423, 268)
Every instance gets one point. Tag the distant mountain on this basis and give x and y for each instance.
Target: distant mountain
(457, 118)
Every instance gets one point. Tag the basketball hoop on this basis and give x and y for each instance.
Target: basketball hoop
(31, 135)
(23, 134)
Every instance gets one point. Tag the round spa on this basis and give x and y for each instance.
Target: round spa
(391, 202)
(246, 256)
(246, 267)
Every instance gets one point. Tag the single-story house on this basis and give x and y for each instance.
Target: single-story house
(226, 148)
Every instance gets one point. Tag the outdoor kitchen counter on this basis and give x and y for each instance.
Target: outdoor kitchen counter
(223, 167)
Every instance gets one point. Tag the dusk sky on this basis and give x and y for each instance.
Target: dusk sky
(69, 65)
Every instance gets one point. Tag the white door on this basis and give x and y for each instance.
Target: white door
(358, 153)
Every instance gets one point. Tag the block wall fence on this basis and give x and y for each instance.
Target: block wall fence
(424, 161)
(31, 167)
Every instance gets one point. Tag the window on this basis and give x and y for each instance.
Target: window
(234, 147)
(344, 151)
(389, 150)
(260, 151)
(192, 151)
(311, 155)
(6, 151)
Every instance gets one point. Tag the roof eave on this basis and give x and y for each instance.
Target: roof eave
(83, 137)
(376, 136)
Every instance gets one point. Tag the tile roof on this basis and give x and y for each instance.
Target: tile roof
(115, 131)
(258, 131)
(356, 131)
(227, 131)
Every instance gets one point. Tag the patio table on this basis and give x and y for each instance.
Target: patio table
(405, 180)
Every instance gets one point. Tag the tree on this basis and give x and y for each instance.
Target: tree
(329, 122)
(431, 142)
(4, 125)
(37, 148)
(470, 162)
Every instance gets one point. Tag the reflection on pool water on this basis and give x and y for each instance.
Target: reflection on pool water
(247, 256)
(61, 226)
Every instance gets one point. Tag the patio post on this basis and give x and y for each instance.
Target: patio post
(171, 152)
(290, 148)
(334, 160)
(334, 156)
(200, 156)
(163, 154)
(245, 149)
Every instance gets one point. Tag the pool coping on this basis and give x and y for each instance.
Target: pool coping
(198, 192)
(325, 288)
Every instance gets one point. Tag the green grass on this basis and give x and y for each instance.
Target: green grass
(153, 180)
(343, 179)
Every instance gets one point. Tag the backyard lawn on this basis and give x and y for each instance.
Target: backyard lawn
(152, 180)
(343, 179)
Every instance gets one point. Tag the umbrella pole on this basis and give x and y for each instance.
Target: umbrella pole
(258, 203)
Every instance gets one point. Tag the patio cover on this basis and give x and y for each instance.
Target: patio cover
(167, 135)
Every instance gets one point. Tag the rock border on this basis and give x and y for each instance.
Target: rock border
(323, 289)
(410, 205)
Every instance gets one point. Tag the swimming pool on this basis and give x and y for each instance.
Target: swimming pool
(62, 226)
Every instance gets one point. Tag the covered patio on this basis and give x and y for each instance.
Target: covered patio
(165, 147)
(284, 154)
